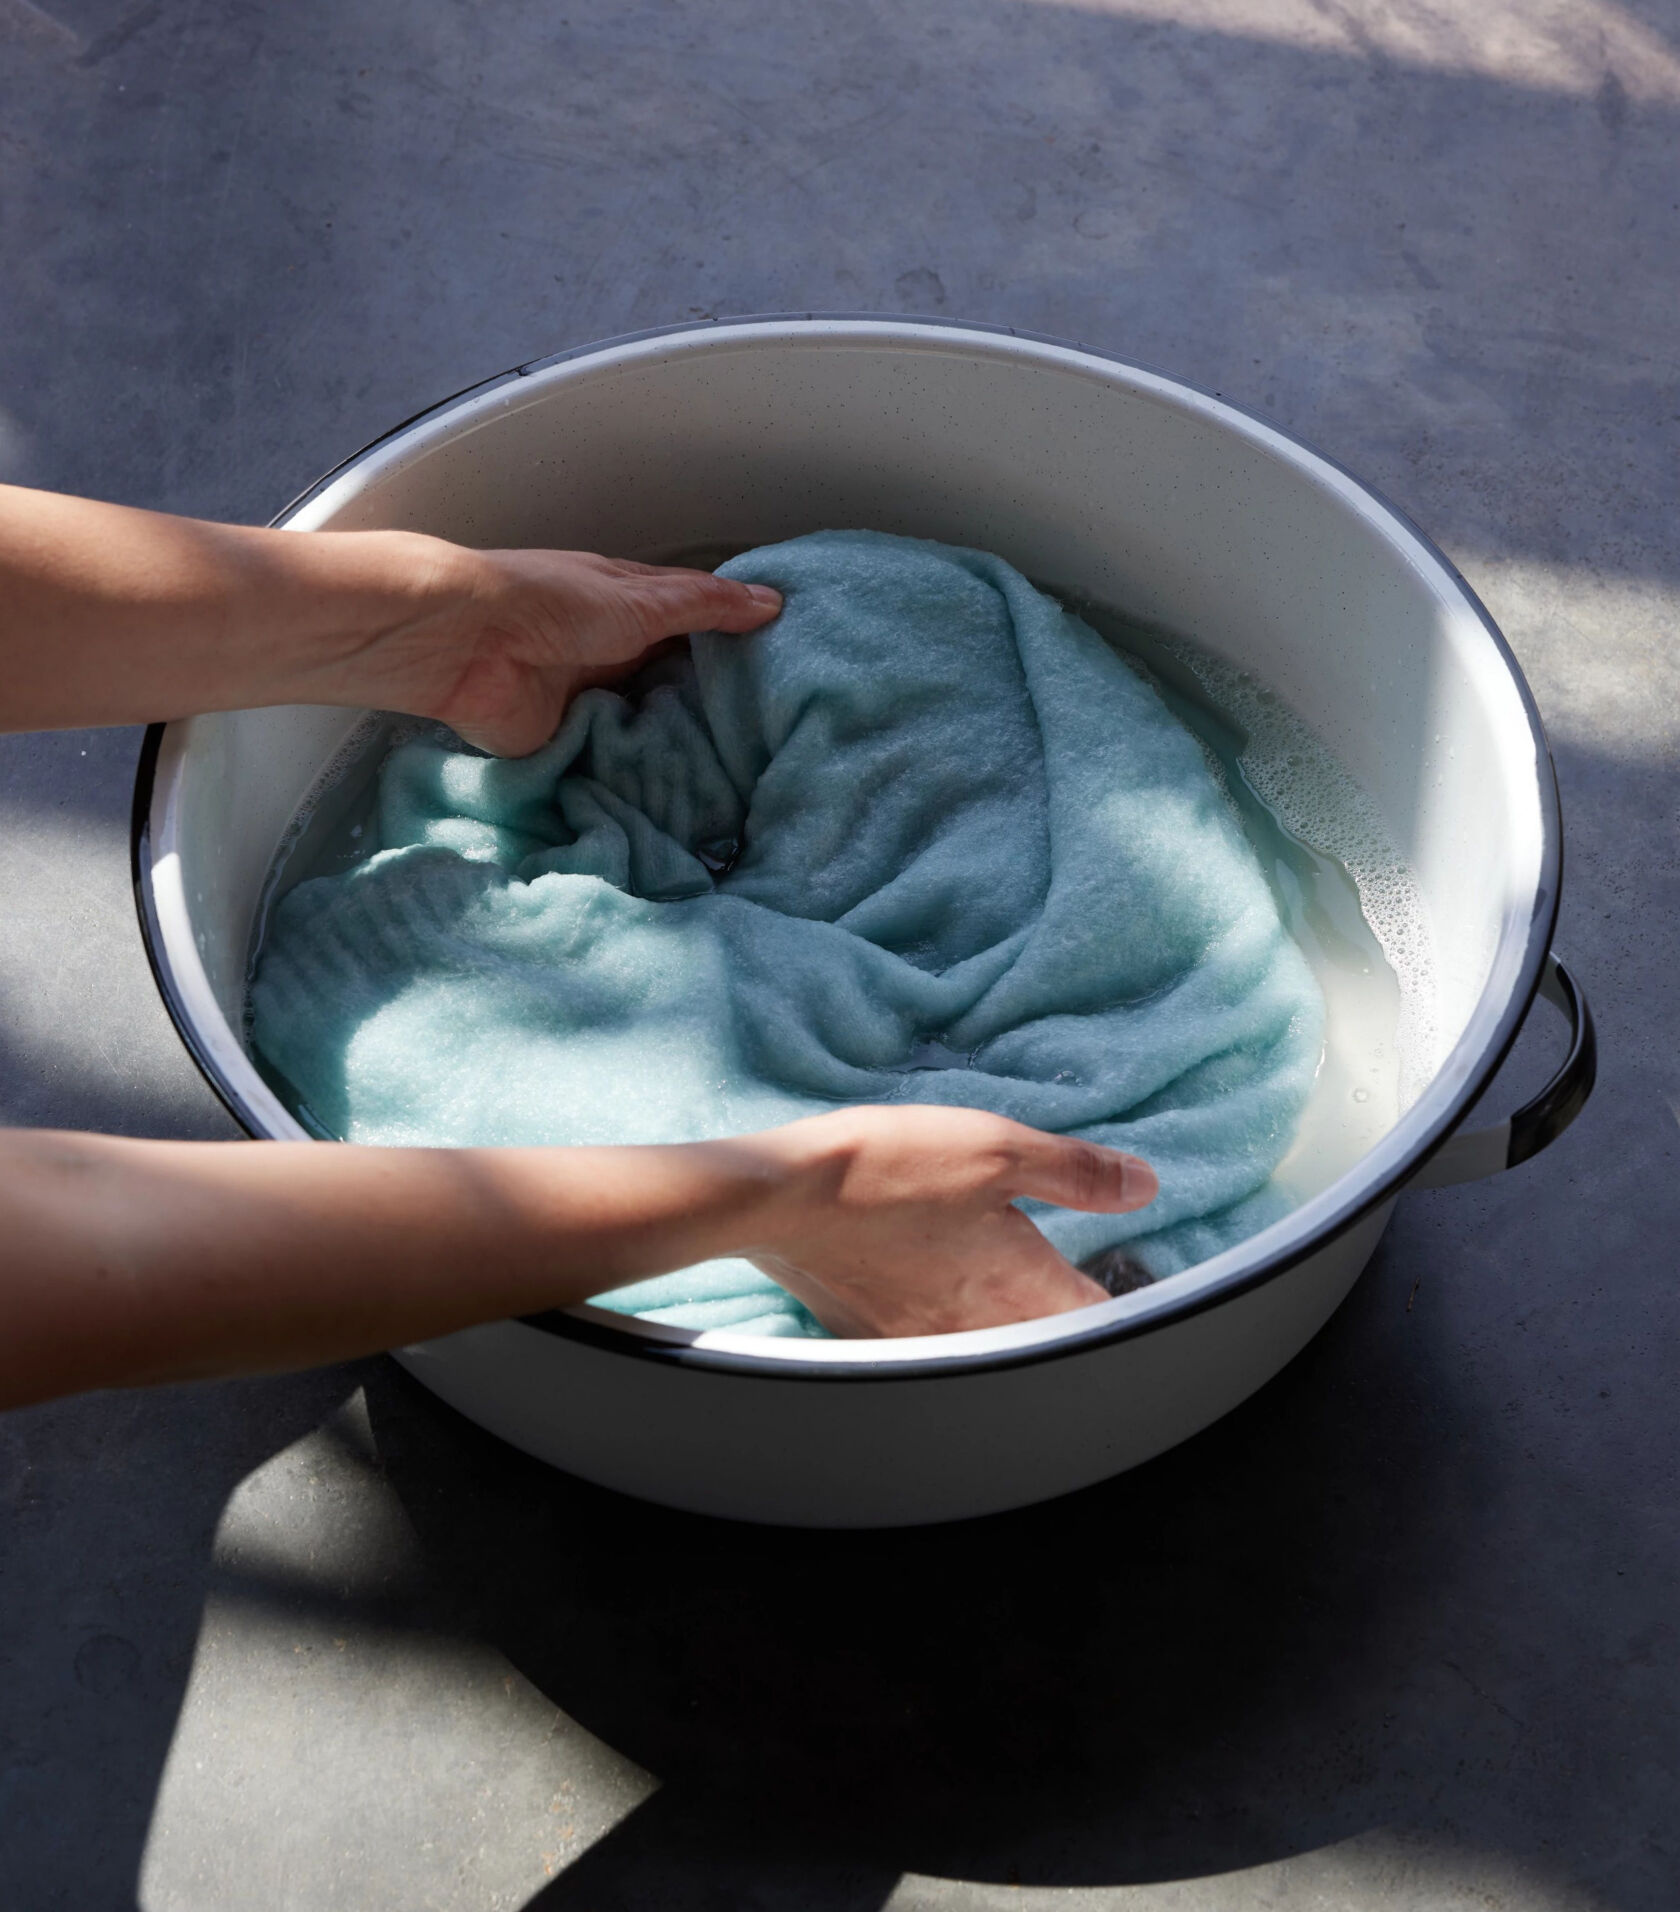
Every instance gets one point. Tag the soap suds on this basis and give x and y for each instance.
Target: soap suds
(1317, 799)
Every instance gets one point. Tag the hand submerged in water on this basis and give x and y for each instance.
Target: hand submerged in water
(133, 1262)
(525, 631)
(901, 1221)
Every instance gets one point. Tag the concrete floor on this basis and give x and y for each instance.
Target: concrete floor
(1399, 1634)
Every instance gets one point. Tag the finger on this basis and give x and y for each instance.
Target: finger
(1075, 1174)
(671, 603)
(1040, 1279)
(1014, 1276)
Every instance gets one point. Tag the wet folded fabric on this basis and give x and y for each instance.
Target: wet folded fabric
(927, 838)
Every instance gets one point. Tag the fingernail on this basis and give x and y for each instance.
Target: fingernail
(1142, 1183)
(762, 594)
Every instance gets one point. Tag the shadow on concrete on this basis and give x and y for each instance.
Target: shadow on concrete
(1430, 272)
(78, 775)
(1417, 1584)
(102, 1610)
(55, 1086)
(1183, 1671)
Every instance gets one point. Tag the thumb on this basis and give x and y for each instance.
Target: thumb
(1076, 1174)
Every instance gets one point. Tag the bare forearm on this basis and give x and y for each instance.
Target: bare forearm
(110, 615)
(131, 1262)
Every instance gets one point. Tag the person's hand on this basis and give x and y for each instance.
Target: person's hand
(530, 629)
(110, 615)
(136, 1262)
(899, 1221)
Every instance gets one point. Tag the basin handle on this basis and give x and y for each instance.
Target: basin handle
(1467, 1157)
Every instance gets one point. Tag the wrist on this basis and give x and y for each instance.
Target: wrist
(734, 1197)
(597, 1218)
(785, 1174)
(385, 604)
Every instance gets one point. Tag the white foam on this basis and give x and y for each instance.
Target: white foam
(337, 767)
(1316, 798)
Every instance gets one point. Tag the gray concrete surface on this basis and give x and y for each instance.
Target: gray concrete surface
(1401, 1633)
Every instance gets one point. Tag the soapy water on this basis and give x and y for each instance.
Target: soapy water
(1342, 889)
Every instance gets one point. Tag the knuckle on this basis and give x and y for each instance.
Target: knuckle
(1084, 1170)
(1003, 1148)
